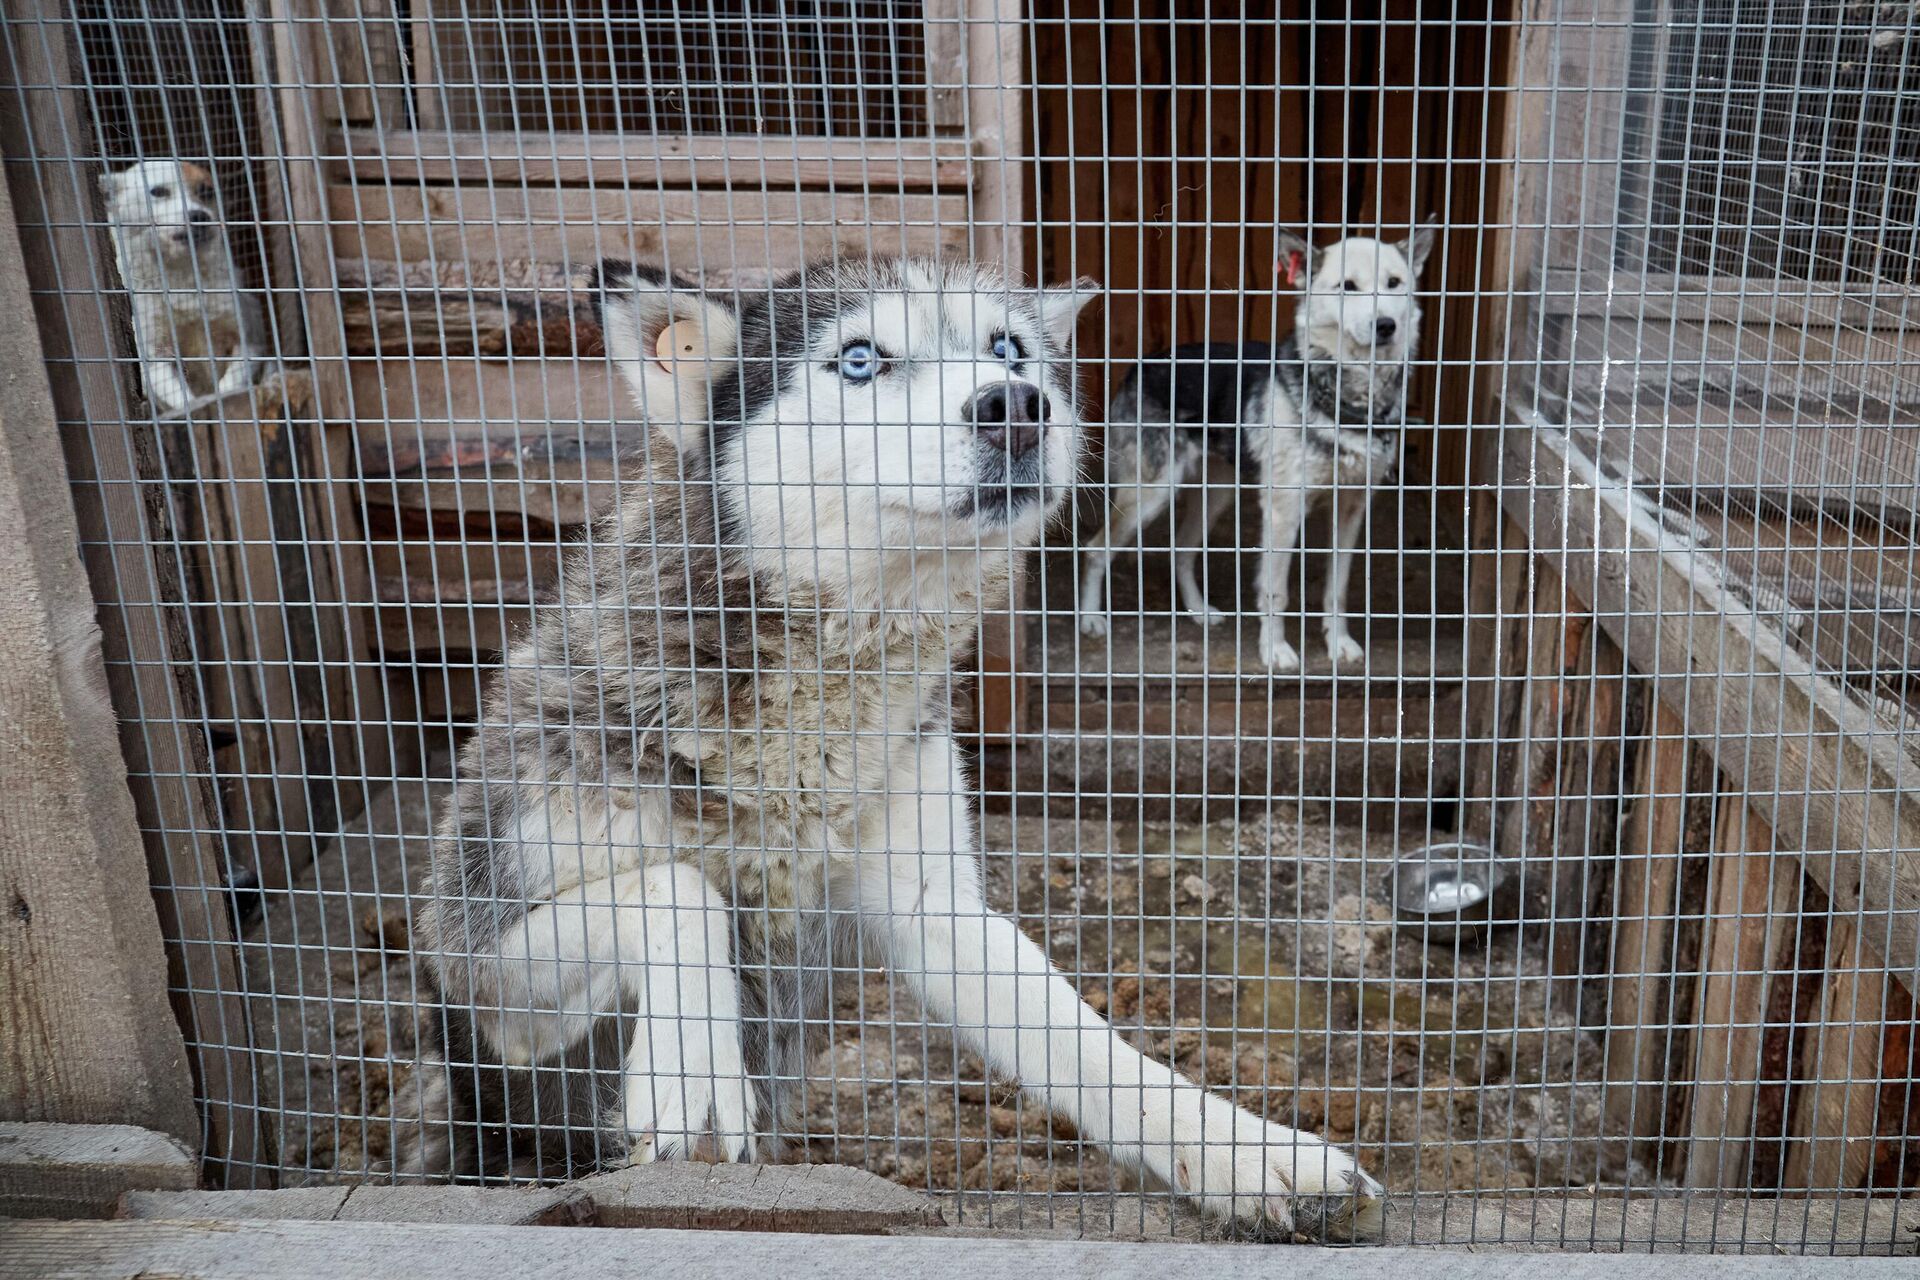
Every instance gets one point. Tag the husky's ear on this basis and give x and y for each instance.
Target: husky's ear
(1417, 246)
(1060, 307)
(668, 342)
(1295, 260)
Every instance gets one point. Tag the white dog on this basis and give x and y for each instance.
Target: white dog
(1320, 415)
(726, 755)
(198, 332)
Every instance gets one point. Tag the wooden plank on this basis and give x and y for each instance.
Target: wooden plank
(1753, 895)
(651, 162)
(1838, 1105)
(1798, 303)
(1640, 1023)
(944, 32)
(1819, 770)
(747, 235)
(129, 550)
(1844, 468)
(90, 1036)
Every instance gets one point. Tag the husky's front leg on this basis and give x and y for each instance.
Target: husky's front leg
(975, 970)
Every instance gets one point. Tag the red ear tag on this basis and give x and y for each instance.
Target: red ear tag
(1296, 266)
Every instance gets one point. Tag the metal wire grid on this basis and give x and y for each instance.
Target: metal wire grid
(1198, 843)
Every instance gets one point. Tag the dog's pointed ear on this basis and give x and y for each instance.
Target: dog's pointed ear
(1416, 247)
(668, 341)
(1060, 306)
(1295, 260)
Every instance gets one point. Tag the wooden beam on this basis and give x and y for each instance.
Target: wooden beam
(645, 161)
(1816, 766)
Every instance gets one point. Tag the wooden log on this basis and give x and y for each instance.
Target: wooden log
(1644, 962)
(1752, 895)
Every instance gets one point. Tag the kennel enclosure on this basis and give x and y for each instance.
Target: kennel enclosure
(1638, 616)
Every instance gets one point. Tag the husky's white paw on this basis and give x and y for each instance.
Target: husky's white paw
(1208, 617)
(1093, 624)
(1275, 652)
(1269, 1181)
(1346, 653)
(686, 1093)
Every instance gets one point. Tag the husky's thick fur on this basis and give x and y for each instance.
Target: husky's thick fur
(727, 754)
(198, 332)
(1319, 415)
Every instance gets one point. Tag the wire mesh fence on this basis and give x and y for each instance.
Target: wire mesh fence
(1420, 647)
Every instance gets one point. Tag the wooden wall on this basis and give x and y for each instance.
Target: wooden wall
(1171, 150)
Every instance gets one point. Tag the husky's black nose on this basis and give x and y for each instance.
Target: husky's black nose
(1384, 328)
(1010, 414)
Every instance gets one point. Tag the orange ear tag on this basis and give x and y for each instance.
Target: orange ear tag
(681, 340)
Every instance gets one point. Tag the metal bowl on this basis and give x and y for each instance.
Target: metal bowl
(1446, 890)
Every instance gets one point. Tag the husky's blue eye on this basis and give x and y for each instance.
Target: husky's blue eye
(859, 362)
(1007, 347)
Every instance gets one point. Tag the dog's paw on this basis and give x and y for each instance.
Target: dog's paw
(1093, 625)
(1346, 652)
(1208, 617)
(1273, 1183)
(686, 1100)
(1275, 652)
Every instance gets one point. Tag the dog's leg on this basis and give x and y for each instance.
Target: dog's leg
(1283, 512)
(167, 389)
(238, 376)
(976, 971)
(1202, 513)
(655, 941)
(1349, 515)
(1131, 507)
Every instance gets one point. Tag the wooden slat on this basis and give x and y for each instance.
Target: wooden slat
(746, 235)
(1834, 1124)
(1752, 897)
(645, 161)
(1815, 765)
(366, 78)
(1639, 1023)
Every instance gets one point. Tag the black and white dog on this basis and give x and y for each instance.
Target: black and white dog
(725, 756)
(1318, 415)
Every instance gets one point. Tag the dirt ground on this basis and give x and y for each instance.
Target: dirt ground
(1258, 956)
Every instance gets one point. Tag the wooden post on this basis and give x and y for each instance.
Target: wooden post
(124, 528)
(87, 1036)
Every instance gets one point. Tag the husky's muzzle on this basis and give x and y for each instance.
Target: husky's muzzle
(1010, 427)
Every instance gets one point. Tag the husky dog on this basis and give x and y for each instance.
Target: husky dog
(726, 754)
(198, 333)
(1319, 414)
